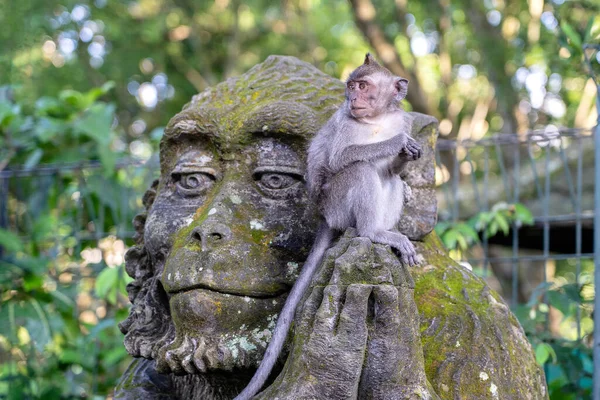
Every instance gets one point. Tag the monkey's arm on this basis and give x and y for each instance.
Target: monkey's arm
(316, 170)
(401, 143)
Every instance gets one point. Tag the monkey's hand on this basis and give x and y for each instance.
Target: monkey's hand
(329, 346)
(412, 151)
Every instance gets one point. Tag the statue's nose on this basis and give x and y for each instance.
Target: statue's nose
(210, 235)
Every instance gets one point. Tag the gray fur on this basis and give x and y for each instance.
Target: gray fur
(353, 177)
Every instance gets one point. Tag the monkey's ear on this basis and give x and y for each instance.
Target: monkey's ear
(369, 59)
(402, 88)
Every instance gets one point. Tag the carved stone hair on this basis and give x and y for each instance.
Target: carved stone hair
(149, 324)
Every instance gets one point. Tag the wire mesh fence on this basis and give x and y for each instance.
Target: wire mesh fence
(542, 262)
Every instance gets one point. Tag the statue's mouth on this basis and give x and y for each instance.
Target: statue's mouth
(231, 292)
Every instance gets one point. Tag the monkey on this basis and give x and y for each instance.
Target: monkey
(353, 168)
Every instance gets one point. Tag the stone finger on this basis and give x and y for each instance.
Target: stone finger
(387, 316)
(352, 325)
(309, 309)
(328, 311)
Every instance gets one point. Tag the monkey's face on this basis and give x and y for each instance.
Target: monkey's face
(362, 96)
(369, 95)
(232, 231)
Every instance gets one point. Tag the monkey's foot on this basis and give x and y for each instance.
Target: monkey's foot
(399, 241)
(408, 254)
(412, 150)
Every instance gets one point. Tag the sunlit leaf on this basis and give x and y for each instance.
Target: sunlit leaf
(450, 239)
(570, 32)
(502, 223)
(523, 214)
(543, 352)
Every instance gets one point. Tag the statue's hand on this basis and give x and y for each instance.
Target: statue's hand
(394, 368)
(329, 346)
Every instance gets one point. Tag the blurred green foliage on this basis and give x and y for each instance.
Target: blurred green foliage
(566, 356)
(94, 81)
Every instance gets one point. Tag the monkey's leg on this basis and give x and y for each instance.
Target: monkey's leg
(370, 202)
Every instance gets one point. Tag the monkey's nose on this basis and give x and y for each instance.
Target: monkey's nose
(210, 235)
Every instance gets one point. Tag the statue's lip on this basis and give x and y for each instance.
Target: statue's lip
(231, 292)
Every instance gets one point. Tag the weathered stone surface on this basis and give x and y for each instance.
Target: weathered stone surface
(420, 213)
(226, 230)
(473, 345)
(357, 332)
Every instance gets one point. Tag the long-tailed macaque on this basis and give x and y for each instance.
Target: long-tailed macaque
(353, 175)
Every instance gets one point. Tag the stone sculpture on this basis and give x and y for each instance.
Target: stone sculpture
(228, 225)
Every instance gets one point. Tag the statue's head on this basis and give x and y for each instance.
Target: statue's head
(228, 223)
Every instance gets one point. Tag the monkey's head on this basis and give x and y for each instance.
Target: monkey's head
(228, 224)
(372, 89)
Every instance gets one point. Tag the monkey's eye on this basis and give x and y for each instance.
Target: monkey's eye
(350, 85)
(362, 85)
(278, 184)
(194, 183)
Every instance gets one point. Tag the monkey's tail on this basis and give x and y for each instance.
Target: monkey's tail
(322, 243)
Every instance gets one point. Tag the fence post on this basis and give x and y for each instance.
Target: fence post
(596, 349)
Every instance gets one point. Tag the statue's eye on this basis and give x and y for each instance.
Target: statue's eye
(278, 184)
(276, 181)
(362, 85)
(193, 183)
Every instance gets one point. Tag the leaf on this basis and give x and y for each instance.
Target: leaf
(33, 159)
(7, 112)
(523, 214)
(10, 241)
(502, 223)
(48, 128)
(500, 206)
(543, 351)
(108, 158)
(571, 34)
(107, 284)
(468, 232)
(32, 282)
(542, 354)
(114, 356)
(492, 229)
(588, 30)
(73, 97)
(96, 123)
(450, 238)
(93, 95)
(462, 243)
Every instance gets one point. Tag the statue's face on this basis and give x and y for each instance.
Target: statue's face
(228, 226)
(230, 232)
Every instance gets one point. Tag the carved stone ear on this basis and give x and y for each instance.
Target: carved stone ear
(401, 87)
(369, 59)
